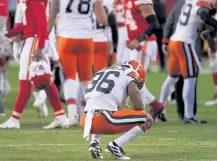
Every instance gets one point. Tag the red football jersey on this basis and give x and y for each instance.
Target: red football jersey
(4, 8)
(120, 13)
(35, 21)
(136, 23)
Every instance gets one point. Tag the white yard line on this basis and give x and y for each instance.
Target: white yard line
(198, 143)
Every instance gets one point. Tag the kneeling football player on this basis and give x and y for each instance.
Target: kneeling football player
(108, 89)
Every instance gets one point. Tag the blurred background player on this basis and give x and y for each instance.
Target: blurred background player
(4, 87)
(183, 58)
(75, 45)
(160, 11)
(212, 52)
(141, 24)
(102, 37)
(122, 51)
(34, 23)
(102, 115)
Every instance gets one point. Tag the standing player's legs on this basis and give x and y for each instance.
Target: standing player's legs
(118, 123)
(101, 55)
(148, 53)
(68, 59)
(174, 72)
(85, 62)
(122, 50)
(189, 71)
(40, 103)
(213, 66)
(24, 84)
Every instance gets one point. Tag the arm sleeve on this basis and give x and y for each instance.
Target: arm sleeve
(207, 18)
(18, 29)
(39, 11)
(113, 25)
(168, 28)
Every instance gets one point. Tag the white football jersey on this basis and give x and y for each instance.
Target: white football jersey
(189, 23)
(75, 18)
(102, 32)
(108, 89)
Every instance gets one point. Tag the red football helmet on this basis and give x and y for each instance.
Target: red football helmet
(137, 71)
(40, 74)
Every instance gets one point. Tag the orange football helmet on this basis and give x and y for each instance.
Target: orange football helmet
(137, 71)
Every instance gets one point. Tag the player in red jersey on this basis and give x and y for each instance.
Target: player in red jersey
(33, 48)
(141, 23)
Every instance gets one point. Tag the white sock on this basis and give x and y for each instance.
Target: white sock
(42, 95)
(61, 117)
(36, 95)
(146, 95)
(166, 88)
(71, 88)
(128, 136)
(95, 138)
(81, 96)
(189, 96)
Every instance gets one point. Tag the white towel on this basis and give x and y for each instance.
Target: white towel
(88, 124)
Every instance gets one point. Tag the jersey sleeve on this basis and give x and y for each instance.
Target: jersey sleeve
(141, 2)
(203, 3)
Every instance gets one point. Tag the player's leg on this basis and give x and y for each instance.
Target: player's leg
(101, 55)
(85, 61)
(5, 85)
(189, 71)
(213, 66)
(40, 104)
(133, 123)
(24, 84)
(174, 72)
(68, 60)
(121, 46)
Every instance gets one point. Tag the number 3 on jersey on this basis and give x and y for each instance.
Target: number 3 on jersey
(83, 7)
(186, 14)
(101, 82)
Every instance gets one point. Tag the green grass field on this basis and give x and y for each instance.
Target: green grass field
(171, 141)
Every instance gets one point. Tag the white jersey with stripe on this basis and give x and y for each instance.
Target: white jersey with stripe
(102, 32)
(189, 23)
(75, 18)
(108, 89)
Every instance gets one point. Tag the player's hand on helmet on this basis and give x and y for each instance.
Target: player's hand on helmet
(165, 49)
(134, 44)
(38, 55)
(55, 64)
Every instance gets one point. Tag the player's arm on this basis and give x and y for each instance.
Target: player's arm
(53, 11)
(100, 13)
(134, 95)
(204, 13)
(39, 11)
(148, 13)
(113, 24)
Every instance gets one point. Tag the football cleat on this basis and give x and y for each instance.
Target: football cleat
(40, 74)
(74, 120)
(155, 112)
(95, 150)
(58, 123)
(114, 150)
(212, 102)
(11, 123)
(162, 117)
(194, 120)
